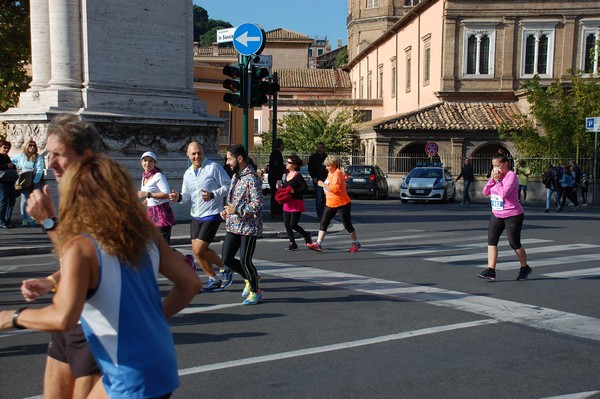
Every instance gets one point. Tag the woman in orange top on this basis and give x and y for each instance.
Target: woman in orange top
(336, 200)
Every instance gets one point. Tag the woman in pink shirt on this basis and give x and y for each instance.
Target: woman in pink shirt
(507, 213)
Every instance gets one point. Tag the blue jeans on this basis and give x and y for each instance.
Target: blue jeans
(7, 202)
(466, 186)
(549, 192)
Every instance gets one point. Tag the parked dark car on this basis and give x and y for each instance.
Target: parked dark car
(366, 180)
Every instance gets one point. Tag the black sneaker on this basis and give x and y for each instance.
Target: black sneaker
(523, 273)
(292, 247)
(488, 274)
(546, 210)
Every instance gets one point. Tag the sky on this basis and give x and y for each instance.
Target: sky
(314, 18)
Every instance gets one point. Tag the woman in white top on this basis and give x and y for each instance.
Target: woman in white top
(155, 190)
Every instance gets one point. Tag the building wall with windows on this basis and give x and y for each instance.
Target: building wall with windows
(450, 53)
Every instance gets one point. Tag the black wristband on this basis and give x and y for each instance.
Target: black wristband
(180, 197)
(16, 316)
(212, 195)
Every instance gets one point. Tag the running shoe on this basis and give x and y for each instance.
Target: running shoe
(523, 273)
(314, 246)
(189, 259)
(355, 247)
(292, 247)
(212, 285)
(488, 274)
(226, 278)
(247, 289)
(253, 298)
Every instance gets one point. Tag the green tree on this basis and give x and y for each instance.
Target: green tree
(341, 58)
(205, 29)
(560, 109)
(302, 130)
(15, 51)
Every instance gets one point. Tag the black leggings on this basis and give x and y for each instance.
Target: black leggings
(245, 268)
(344, 211)
(290, 221)
(513, 226)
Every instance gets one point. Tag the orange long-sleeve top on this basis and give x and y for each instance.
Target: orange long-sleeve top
(336, 195)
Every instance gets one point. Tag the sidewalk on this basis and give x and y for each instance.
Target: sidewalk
(31, 240)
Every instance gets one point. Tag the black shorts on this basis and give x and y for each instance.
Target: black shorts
(205, 231)
(72, 348)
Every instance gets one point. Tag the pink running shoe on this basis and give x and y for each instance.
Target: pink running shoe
(189, 259)
(355, 247)
(314, 246)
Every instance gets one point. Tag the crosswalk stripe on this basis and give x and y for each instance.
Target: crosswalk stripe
(445, 248)
(537, 250)
(495, 308)
(559, 260)
(574, 274)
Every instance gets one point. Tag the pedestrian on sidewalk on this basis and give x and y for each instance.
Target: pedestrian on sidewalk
(29, 162)
(523, 172)
(585, 185)
(205, 184)
(569, 191)
(507, 213)
(243, 222)
(337, 202)
(294, 207)
(155, 192)
(466, 173)
(110, 256)
(7, 185)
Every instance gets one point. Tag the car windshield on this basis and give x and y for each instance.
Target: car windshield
(426, 173)
(359, 171)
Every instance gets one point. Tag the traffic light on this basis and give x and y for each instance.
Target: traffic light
(257, 96)
(235, 84)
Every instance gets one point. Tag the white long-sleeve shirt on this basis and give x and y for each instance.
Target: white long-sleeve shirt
(210, 177)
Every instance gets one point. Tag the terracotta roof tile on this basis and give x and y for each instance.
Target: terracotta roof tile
(454, 116)
(313, 78)
(284, 34)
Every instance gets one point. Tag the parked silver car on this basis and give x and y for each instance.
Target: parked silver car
(428, 182)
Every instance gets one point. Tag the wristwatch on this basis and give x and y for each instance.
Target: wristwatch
(49, 224)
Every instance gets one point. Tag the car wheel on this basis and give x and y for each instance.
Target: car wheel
(265, 191)
(444, 197)
(403, 201)
(375, 194)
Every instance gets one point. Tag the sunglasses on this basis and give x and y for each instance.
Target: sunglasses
(32, 145)
(290, 162)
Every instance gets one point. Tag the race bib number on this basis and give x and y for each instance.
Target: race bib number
(497, 202)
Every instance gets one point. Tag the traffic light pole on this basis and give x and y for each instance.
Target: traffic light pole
(246, 102)
(274, 119)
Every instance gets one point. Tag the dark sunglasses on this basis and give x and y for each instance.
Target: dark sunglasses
(32, 145)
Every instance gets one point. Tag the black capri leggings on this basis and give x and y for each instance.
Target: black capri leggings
(344, 211)
(513, 227)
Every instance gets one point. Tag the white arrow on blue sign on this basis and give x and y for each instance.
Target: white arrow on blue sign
(249, 39)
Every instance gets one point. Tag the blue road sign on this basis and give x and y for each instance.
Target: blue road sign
(592, 124)
(249, 39)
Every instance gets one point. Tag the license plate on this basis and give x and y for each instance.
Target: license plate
(359, 180)
(420, 191)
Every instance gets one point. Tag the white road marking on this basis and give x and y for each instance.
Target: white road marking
(333, 347)
(498, 309)
(576, 274)
(559, 260)
(447, 248)
(537, 250)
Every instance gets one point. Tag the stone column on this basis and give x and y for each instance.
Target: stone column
(40, 44)
(65, 43)
(457, 155)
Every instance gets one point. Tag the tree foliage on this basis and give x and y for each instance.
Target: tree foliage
(560, 109)
(205, 29)
(15, 51)
(302, 130)
(341, 58)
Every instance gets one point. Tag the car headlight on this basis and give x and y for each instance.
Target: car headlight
(404, 184)
(439, 185)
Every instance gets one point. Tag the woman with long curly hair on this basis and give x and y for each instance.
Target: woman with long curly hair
(111, 255)
(29, 161)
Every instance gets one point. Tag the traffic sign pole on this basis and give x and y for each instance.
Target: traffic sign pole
(592, 124)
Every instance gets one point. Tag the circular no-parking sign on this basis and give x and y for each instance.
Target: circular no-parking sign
(431, 149)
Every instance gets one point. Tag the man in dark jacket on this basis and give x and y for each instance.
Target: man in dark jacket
(7, 188)
(317, 170)
(276, 171)
(468, 177)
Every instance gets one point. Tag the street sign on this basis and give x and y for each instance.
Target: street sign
(225, 35)
(592, 124)
(249, 39)
(264, 61)
(431, 149)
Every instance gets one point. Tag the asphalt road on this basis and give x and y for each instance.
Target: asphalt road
(406, 317)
